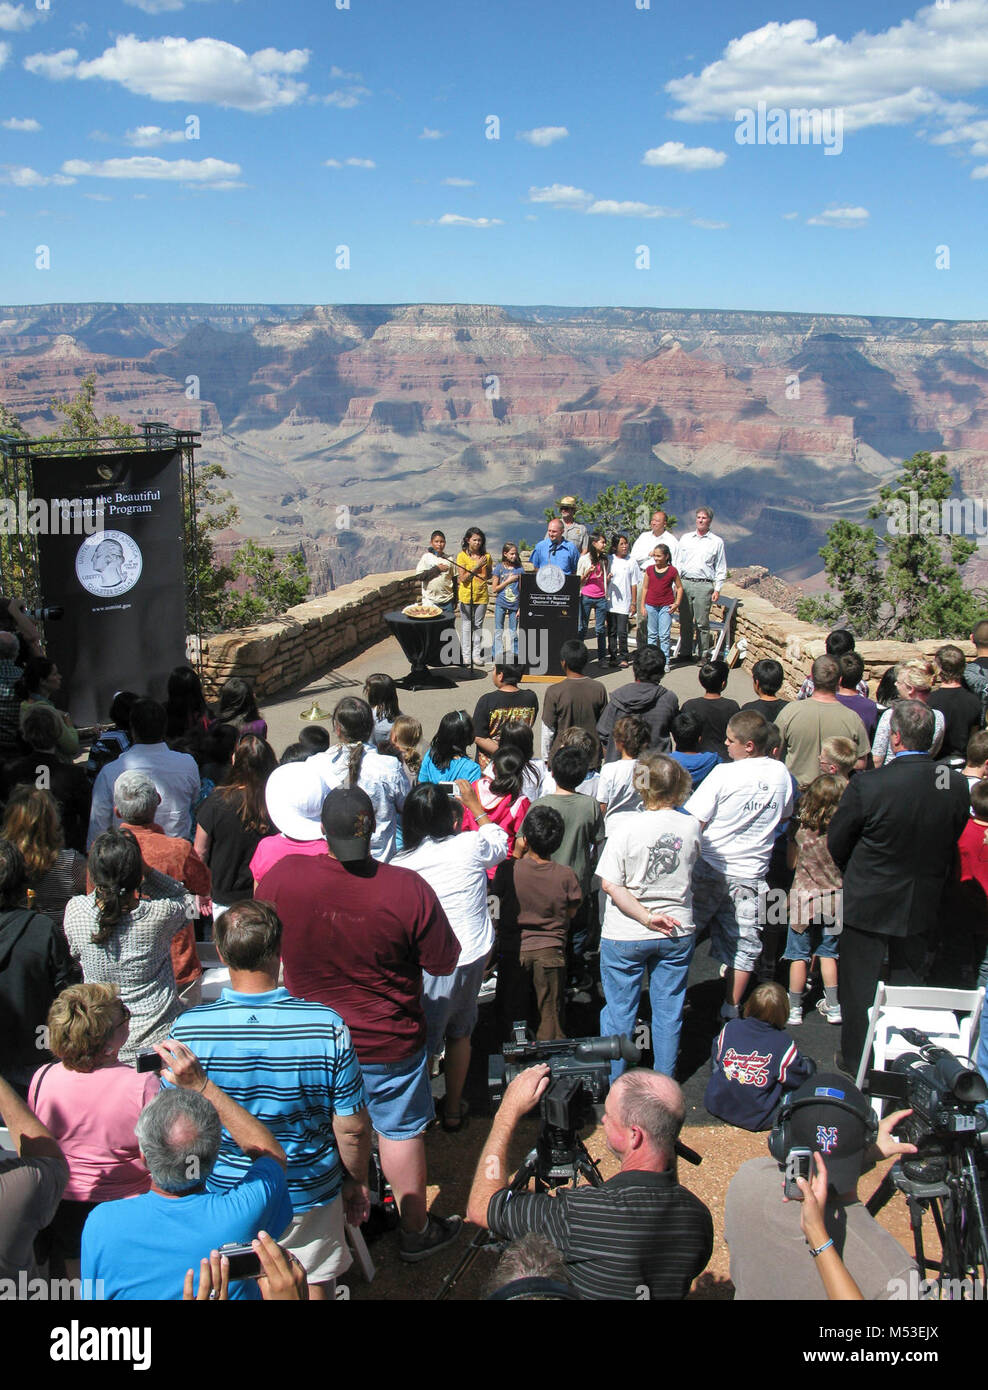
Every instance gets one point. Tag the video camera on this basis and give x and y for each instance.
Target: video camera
(944, 1095)
(579, 1074)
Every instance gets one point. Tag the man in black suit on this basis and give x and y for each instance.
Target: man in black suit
(894, 837)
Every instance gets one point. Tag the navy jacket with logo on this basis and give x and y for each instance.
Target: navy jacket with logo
(754, 1065)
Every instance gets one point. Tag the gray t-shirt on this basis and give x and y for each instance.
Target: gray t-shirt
(769, 1256)
(651, 853)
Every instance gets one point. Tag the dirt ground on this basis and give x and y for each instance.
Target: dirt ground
(452, 1159)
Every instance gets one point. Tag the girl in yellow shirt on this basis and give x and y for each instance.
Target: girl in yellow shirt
(475, 569)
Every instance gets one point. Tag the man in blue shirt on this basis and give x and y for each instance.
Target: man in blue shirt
(554, 550)
(292, 1064)
(141, 1247)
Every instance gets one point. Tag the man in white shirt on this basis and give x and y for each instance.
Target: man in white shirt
(175, 775)
(739, 805)
(702, 567)
(641, 551)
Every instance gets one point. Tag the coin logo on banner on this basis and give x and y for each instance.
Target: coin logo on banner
(108, 563)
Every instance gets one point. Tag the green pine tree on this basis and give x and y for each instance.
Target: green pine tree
(904, 579)
(620, 510)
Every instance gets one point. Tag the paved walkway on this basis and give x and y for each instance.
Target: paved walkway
(429, 706)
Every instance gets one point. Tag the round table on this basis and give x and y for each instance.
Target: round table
(418, 639)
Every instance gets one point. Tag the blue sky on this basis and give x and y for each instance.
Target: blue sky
(366, 127)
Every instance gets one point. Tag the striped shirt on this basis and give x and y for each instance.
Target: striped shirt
(292, 1065)
(641, 1235)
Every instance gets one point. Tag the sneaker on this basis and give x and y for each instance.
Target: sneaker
(832, 1015)
(728, 1012)
(441, 1231)
(488, 989)
(795, 1016)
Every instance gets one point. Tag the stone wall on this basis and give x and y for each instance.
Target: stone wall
(307, 639)
(768, 632)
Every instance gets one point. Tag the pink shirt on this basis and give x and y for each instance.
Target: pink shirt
(92, 1115)
(275, 847)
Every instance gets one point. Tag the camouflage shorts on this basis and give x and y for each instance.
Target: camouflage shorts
(734, 910)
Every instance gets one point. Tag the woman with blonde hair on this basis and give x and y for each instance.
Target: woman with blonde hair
(648, 930)
(54, 873)
(90, 1102)
(914, 681)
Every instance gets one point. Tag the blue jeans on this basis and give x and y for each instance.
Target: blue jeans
(623, 966)
(659, 628)
(501, 611)
(597, 606)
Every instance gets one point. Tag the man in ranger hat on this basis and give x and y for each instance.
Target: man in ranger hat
(573, 531)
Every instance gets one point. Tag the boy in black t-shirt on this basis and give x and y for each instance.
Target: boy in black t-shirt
(504, 703)
(767, 677)
(713, 709)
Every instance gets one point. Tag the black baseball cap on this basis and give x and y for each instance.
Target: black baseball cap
(830, 1115)
(348, 822)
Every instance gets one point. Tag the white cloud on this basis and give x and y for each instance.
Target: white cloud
(561, 195)
(145, 137)
(429, 134)
(609, 207)
(459, 183)
(708, 225)
(28, 124)
(675, 155)
(23, 177)
(341, 76)
(974, 133)
(847, 217)
(900, 74)
(156, 6)
(188, 70)
(4, 53)
(211, 173)
(544, 135)
(981, 172)
(790, 216)
(352, 163)
(14, 18)
(98, 197)
(453, 219)
(347, 99)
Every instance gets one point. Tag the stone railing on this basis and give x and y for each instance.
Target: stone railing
(308, 638)
(769, 632)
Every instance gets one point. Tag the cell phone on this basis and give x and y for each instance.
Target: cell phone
(149, 1061)
(244, 1263)
(799, 1164)
(448, 787)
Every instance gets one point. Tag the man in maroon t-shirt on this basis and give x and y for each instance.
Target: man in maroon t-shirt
(357, 936)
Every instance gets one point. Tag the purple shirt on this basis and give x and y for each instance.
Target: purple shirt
(866, 710)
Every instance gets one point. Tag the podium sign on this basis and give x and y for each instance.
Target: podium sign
(549, 615)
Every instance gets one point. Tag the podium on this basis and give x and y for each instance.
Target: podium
(548, 616)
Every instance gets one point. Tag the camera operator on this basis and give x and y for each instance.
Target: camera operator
(639, 1235)
(14, 618)
(769, 1256)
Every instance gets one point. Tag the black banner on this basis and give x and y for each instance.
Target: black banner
(110, 543)
(549, 614)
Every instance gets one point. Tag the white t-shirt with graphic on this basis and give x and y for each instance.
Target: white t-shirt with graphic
(651, 853)
(624, 574)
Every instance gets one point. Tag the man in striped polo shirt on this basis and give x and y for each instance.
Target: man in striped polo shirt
(291, 1064)
(638, 1236)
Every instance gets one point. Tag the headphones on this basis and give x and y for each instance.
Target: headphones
(780, 1139)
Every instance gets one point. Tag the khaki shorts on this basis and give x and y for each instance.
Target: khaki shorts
(318, 1239)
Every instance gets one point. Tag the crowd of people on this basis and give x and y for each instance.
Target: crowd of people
(366, 890)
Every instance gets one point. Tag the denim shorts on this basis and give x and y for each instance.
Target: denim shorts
(450, 1003)
(399, 1096)
(803, 945)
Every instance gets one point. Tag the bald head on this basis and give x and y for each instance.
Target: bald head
(652, 1103)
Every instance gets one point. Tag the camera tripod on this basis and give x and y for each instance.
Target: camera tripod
(557, 1157)
(957, 1206)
